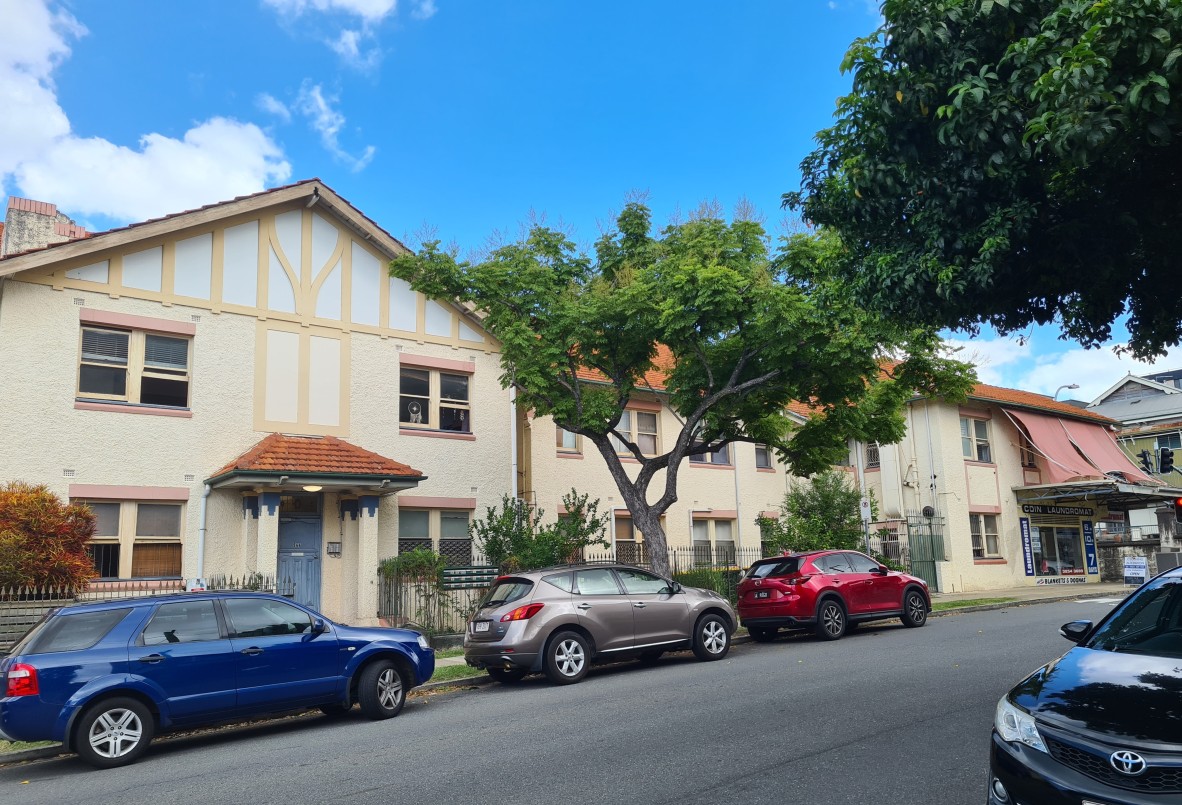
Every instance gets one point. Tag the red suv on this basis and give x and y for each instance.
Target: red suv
(827, 591)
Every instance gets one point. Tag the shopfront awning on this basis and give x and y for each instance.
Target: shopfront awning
(1113, 495)
(1076, 450)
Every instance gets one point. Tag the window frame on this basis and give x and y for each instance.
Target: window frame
(711, 458)
(434, 537)
(979, 535)
(633, 433)
(135, 367)
(766, 452)
(972, 441)
(560, 435)
(435, 401)
(126, 538)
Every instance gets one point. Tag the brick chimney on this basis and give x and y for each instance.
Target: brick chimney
(32, 224)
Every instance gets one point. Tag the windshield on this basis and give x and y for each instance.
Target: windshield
(506, 590)
(1150, 622)
(777, 567)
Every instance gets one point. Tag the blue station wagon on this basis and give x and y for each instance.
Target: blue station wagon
(105, 677)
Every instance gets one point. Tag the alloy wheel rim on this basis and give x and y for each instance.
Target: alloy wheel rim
(389, 689)
(714, 637)
(569, 657)
(116, 733)
(915, 607)
(832, 618)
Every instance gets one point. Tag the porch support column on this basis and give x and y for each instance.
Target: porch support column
(267, 553)
(367, 559)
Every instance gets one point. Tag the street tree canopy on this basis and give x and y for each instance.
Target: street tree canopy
(1012, 162)
(739, 333)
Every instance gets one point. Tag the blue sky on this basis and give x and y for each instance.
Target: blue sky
(467, 118)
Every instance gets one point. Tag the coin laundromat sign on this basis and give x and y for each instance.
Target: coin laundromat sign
(1067, 511)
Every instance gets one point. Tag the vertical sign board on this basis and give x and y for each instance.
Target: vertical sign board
(1136, 570)
(1027, 547)
(1089, 536)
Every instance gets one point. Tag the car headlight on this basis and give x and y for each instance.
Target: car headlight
(423, 644)
(1017, 726)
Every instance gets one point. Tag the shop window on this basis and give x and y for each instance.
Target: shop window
(1058, 551)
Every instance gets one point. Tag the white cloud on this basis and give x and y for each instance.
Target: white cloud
(348, 47)
(273, 106)
(328, 122)
(992, 356)
(368, 10)
(424, 10)
(213, 161)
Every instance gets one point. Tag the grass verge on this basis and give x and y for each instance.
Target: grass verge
(8, 747)
(943, 606)
(450, 672)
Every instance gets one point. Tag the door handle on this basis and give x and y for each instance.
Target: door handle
(638, 604)
(152, 659)
(252, 651)
(583, 607)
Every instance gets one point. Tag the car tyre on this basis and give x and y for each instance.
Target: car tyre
(114, 732)
(915, 609)
(712, 639)
(831, 620)
(568, 658)
(762, 634)
(381, 690)
(507, 676)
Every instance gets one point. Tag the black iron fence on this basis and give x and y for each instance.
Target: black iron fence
(434, 605)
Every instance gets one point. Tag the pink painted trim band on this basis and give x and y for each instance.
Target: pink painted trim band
(91, 316)
(423, 502)
(576, 456)
(771, 515)
(984, 509)
(765, 469)
(716, 514)
(643, 405)
(974, 413)
(990, 562)
(426, 362)
(970, 463)
(436, 434)
(132, 409)
(104, 492)
(696, 465)
(873, 469)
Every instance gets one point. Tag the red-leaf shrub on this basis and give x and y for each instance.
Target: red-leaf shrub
(42, 539)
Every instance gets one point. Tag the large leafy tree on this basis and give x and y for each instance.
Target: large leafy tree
(1012, 162)
(741, 332)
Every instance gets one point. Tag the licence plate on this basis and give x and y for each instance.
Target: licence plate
(481, 626)
(763, 594)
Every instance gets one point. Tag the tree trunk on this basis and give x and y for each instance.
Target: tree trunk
(649, 524)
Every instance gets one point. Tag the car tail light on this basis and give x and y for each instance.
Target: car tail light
(22, 680)
(522, 613)
(797, 580)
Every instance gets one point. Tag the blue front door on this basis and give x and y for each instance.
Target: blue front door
(299, 559)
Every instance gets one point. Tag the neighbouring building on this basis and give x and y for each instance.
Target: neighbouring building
(1007, 489)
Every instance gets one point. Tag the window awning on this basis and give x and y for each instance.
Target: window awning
(1076, 450)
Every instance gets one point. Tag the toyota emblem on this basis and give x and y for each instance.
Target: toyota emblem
(1129, 763)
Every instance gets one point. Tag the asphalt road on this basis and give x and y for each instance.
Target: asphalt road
(886, 715)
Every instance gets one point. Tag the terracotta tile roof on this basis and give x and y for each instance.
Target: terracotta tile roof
(1041, 402)
(189, 212)
(654, 377)
(328, 455)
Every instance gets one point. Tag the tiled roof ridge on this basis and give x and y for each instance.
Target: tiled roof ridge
(296, 452)
(1030, 399)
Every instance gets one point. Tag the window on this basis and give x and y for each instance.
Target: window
(861, 563)
(72, 632)
(872, 457)
(637, 582)
(1026, 452)
(763, 457)
(974, 439)
(565, 441)
(134, 367)
(433, 399)
(444, 531)
(640, 428)
(833, 563)
(135, 540)
(721, 456)
(184, 622)
(596, 582)
(713, 542)
(985, 541)
(629, 548)
(1170, 440)
(263, 617)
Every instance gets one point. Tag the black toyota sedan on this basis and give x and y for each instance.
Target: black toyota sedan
(1101, 725)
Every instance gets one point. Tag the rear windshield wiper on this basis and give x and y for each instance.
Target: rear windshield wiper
(496, 602)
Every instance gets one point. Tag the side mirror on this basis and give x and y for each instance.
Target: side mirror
(881, 570)
(1076, 631)
(676, 588)
(319, 626)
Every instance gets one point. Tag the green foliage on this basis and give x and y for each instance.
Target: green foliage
(1011, 162)
(724, 581)
(738, 329)
(514, 538)
(42, 539)
(420, 564)
(822, 513)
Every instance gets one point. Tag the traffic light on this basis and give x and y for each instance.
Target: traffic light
(1146, 462)
(1165, 460)
(1178, 510)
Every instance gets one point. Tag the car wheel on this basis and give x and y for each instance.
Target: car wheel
(114, 732)
(915, 609)
(712, 641)
(381, 690)
(650, 657)
(762, 634)
(568, 658)
(830, 620)
(507, 676)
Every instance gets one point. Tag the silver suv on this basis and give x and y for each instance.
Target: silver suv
(561, 619)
